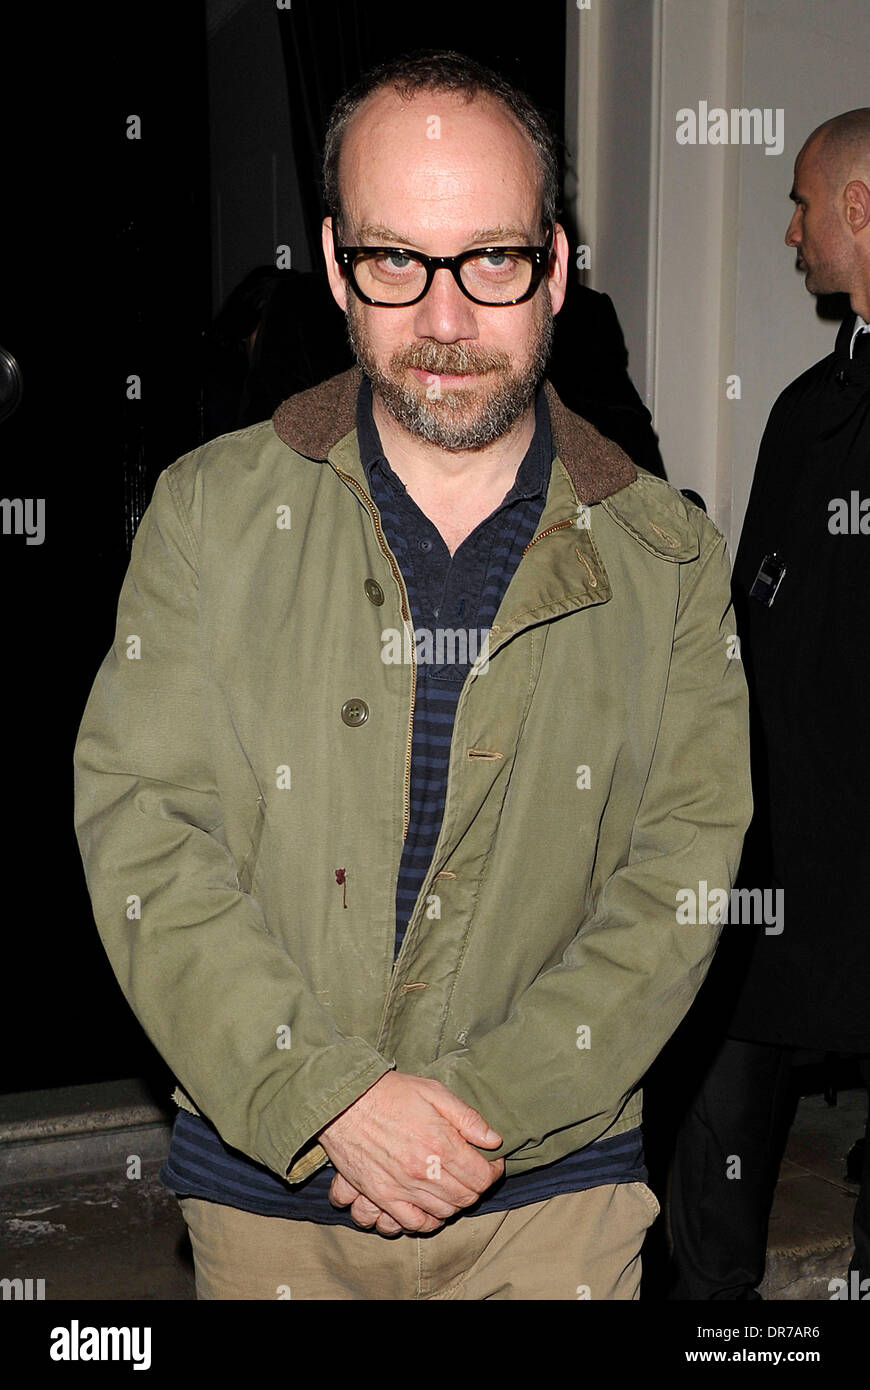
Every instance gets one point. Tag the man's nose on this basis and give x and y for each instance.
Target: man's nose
(445, 314)
(792, 234)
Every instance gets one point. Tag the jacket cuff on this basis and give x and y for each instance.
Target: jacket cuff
(290, 1123)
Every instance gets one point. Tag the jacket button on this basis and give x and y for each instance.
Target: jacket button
(354, 712)
(374, 591)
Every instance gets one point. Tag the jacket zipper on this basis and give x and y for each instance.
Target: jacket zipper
(406, 616)
(559, 526)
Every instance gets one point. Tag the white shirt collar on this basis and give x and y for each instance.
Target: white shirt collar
(860, 327)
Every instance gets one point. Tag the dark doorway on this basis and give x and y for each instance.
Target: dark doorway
(108, 288)
(105, 278)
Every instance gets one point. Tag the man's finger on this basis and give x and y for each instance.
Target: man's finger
(468, 1121)
(473, 1127)
(414, 1219)
(366, 1213)
(341, 1192)
(386, 1225)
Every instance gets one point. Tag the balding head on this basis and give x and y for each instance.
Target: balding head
(830, 226)
(842, 146)
(442, 73)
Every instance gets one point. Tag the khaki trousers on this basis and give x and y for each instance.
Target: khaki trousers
(583, 1245)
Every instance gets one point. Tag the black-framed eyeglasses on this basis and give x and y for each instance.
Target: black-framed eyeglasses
(393, 277)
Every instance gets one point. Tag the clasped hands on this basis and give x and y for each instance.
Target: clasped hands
(404, 1157)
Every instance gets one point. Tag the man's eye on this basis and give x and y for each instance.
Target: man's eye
(395, 261)
(495, 260)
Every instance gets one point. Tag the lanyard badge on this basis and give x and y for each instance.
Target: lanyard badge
(768, 579)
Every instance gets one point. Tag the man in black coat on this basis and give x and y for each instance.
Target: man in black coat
(802, 599)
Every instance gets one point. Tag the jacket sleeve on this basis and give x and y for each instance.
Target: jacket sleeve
(632, 971)
(218, 996)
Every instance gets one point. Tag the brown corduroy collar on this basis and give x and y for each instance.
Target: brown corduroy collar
(312, 421)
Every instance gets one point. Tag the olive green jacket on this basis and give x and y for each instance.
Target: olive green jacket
(244, 743)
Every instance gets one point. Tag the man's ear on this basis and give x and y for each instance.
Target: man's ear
(857, 196)
(337, 282)
(557, 275)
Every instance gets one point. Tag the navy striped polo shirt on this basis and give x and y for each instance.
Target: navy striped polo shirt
(457, 593)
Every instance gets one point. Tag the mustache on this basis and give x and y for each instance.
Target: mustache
(450, 359)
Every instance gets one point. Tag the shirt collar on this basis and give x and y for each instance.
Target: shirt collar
(860, 327)
(533, 474)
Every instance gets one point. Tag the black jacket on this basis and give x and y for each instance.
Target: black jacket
(807, 661)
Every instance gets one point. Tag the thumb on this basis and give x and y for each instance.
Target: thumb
(468, 1121)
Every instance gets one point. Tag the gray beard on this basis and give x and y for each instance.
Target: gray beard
(440, 422)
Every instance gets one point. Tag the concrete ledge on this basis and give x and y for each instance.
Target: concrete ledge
(80, 1129)
(79, 1110)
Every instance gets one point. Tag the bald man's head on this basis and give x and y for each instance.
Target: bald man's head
(830, 226)
(842, 147)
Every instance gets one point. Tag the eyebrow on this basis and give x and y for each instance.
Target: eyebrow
(490, 236)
